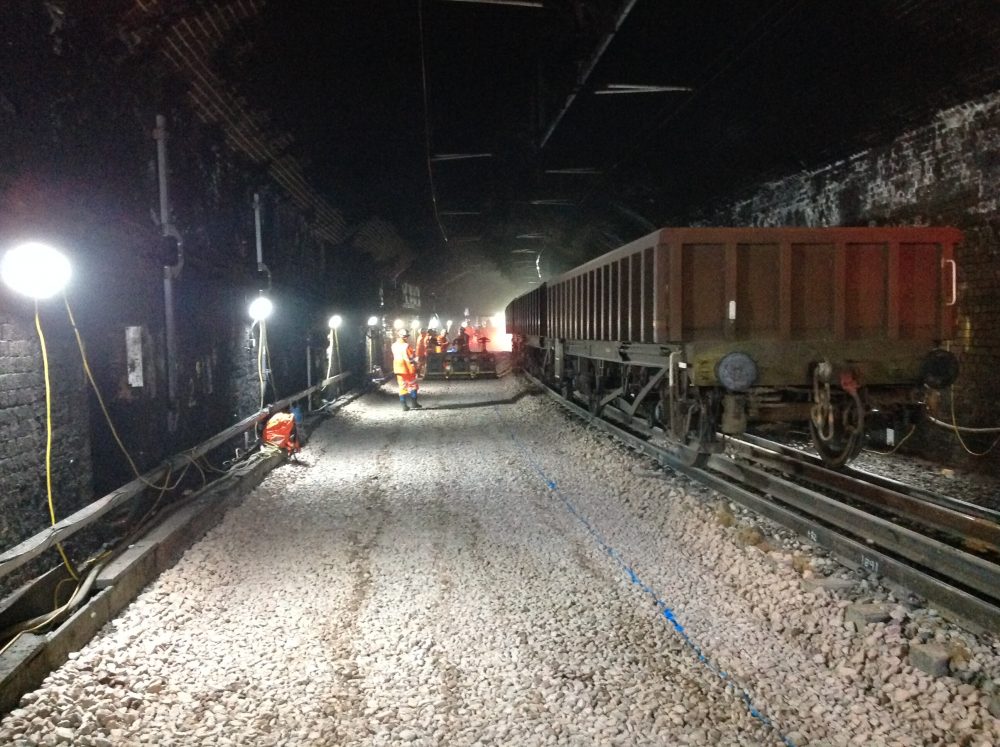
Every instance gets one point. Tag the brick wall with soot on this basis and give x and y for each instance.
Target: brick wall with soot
(944, 173)
(23, 504)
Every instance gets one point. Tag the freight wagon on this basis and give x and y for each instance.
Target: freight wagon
(706, 331)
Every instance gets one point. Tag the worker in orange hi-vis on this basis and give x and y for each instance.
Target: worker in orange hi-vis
(404, 366)
(422, 353)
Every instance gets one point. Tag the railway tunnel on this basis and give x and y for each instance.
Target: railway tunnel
(488, 570)
(724, 472)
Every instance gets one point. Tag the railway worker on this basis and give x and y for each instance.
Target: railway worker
(461, 341)
(405, 368)
(432, 346)
(422, 353)
(442, 342)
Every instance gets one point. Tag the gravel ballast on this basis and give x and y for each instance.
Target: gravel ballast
(486, 571)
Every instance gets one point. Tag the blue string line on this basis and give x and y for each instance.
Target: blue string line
(665, 611)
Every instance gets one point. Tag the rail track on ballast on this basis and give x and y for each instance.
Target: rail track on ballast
(942, 549)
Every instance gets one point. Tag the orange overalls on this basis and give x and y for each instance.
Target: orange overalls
(422, 354)
(404, 368)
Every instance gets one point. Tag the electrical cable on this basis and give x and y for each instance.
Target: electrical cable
(895, 448)
(261, 339)
(39, 622)
(269, 368)
(329, 357)
(100, 399)
(55, 592)
(192, 461)
(427, 121)
(958, 431)
(83, 587)
(152, 509)
(48, 441)
(211, 468)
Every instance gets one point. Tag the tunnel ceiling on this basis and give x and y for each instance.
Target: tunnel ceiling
(755, 89)
(361, 104)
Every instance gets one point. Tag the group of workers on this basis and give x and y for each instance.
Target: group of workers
(409, 364)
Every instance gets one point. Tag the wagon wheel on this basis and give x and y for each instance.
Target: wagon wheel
(654, 418)
(692, 455)
(840, 438)
(594, 405)
(689, 442)
(566, 389)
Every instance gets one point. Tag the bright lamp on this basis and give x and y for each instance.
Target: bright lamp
(261, 308)
(35, 269)
(335, 321)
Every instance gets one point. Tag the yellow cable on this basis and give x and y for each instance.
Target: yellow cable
(329, 357)
(958, 433)
(260, 363)
(57, 611)
(48, 441)
(156, 503)
(55, 593)
(211, 468)
(895, 448)
(194, 461)
(269, 368)
(100, 399)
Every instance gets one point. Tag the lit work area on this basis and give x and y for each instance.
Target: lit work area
(499, 372)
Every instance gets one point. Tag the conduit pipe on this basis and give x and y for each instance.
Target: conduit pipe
(261, 267)
(171, 272)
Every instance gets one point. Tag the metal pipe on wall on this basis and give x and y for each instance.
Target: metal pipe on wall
(261, 267)
(170, 271)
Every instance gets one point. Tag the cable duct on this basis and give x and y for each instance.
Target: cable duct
(171, 272)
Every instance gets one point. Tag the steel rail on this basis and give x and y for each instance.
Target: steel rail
(903, 556)
(955, 504)
(856, 486)
(967, 569)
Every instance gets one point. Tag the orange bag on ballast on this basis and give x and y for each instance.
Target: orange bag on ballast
(280, 431)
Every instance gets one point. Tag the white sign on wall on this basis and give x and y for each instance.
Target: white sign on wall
(133, 355)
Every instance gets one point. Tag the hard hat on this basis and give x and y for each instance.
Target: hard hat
(403, 332)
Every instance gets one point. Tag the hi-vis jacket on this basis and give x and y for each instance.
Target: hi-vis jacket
(402, 358)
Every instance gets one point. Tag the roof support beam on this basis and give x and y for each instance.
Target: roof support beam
(521, 3)
(584, 76)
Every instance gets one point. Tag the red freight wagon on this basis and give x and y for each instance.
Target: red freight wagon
(708, 329)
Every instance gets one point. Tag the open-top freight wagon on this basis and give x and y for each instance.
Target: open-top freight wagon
(703, 331)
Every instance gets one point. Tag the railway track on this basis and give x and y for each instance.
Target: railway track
(944, 550)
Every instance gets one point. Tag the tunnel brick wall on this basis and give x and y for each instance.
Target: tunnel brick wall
(23, 504)
(944, 173)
